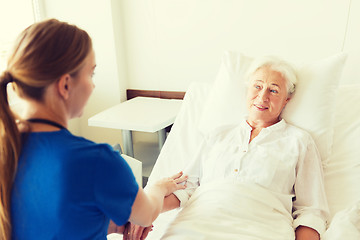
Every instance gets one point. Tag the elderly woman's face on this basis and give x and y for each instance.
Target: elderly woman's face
(267, 96)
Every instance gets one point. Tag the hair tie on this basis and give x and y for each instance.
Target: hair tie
(7, 78)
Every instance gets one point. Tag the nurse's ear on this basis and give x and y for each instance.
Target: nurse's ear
(63, 86)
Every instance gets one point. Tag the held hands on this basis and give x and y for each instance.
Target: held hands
(171, 184)
(158, 193)
(135, 232)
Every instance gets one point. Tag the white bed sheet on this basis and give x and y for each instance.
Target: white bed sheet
(345, 224)
(231, 210)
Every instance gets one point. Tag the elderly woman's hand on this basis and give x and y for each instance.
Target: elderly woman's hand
(170, 184)
(306, 233)
(135, 232)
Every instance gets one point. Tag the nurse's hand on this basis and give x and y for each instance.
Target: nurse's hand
(135, 232)
(148, 204)
(113, 228)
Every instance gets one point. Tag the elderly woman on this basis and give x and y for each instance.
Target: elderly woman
(265, 151)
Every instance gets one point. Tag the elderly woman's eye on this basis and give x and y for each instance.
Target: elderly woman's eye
(273, 91)
(257, 86)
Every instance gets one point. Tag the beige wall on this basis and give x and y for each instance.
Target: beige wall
(101, 20)
(172, 43)
(351, 45)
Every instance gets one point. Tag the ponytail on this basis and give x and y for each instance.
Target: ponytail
(10, 145)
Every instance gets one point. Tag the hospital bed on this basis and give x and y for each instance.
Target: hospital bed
(322, 106)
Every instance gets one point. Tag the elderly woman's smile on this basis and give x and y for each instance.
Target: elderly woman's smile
(261, 107)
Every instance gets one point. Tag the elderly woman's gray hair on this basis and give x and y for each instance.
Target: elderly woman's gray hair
(279, 65)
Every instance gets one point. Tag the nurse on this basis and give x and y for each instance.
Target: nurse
(55, 185)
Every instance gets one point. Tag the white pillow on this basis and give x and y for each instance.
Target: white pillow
(180, 146)
(225, 104)
(342, 174)
(312, 106)
(184, 137)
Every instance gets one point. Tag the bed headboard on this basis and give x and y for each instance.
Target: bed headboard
(131, 93)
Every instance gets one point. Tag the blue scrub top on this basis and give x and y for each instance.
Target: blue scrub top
(67, 187)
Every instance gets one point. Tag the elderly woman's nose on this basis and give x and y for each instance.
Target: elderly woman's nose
(264, 94)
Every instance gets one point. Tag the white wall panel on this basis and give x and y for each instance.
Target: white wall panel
(95, 16)
(171, 43)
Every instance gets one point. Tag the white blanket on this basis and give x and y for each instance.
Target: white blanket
(345, 224)
(230, 210)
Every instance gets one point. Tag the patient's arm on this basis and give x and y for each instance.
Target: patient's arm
(170, 202)
(306, 233)
(147, 206)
